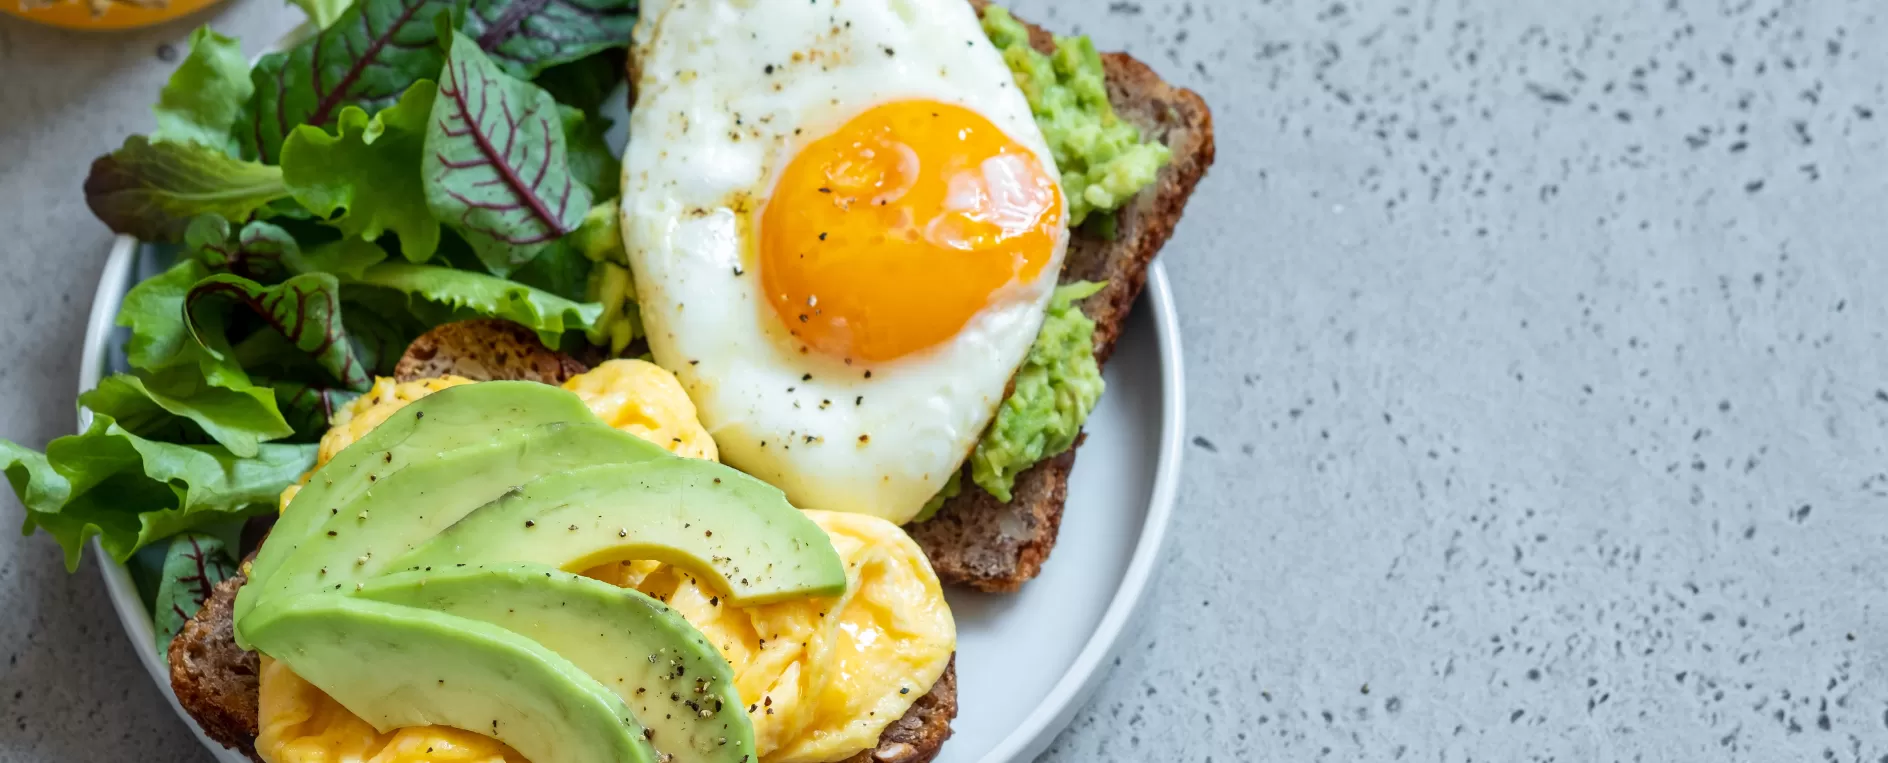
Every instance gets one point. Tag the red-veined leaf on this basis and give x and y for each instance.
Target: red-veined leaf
(305, 310)
(195, 563)
(526, 37)
(496, 167)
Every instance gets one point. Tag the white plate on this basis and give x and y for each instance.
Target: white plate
(1026, 661)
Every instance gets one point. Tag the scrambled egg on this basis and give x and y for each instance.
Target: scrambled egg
(645, 400)
(823, 677)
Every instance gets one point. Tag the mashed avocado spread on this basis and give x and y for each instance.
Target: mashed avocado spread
(1103, 164)
(1102, 159)
(1056, 388)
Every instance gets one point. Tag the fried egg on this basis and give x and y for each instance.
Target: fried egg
(844, 225)
(823, 677)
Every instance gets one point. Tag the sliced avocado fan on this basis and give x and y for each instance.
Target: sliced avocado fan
(408, 506)
(439, 422)
(424, 576)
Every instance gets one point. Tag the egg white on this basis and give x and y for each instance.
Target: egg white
(726, 92)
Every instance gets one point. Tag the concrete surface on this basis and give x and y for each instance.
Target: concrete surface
(1538, 403)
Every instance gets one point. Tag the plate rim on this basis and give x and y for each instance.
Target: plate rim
(1029, 739)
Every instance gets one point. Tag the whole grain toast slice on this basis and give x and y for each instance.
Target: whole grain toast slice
(976, 540)
(216, 681)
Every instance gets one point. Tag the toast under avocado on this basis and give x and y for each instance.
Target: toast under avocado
(976, 540)
(216, 681)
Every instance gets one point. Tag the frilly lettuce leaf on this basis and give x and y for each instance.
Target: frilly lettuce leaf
(206, 93)
(130, 491)
(369, 171)
(438, 295)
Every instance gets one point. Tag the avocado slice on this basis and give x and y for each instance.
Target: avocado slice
(407, 507)
(438, 422)
(727, 528)
(674, 681)
(397, 667)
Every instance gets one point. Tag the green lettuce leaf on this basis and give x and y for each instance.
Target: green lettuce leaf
(347, 258)
(586, 83)
(323, 12)
(592, 161)
(305, 310)
(177, 405)
(438, 295)
(154, 311)
(206, 94)
(193, 565)
(562, 270)
(161, 339)
(508, 204)
(154, 190)
(130, 491)
(369, 171)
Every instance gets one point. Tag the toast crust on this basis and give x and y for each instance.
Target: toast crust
(214, 679)
(976, 540)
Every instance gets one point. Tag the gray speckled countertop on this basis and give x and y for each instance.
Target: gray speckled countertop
(1537, 389)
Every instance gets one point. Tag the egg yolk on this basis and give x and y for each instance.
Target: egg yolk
(890, 234)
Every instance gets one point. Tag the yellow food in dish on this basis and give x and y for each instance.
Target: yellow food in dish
(823, 677)
(645, 400)
(102, 14)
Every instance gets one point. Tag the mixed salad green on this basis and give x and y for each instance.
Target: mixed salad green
(407, 164)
